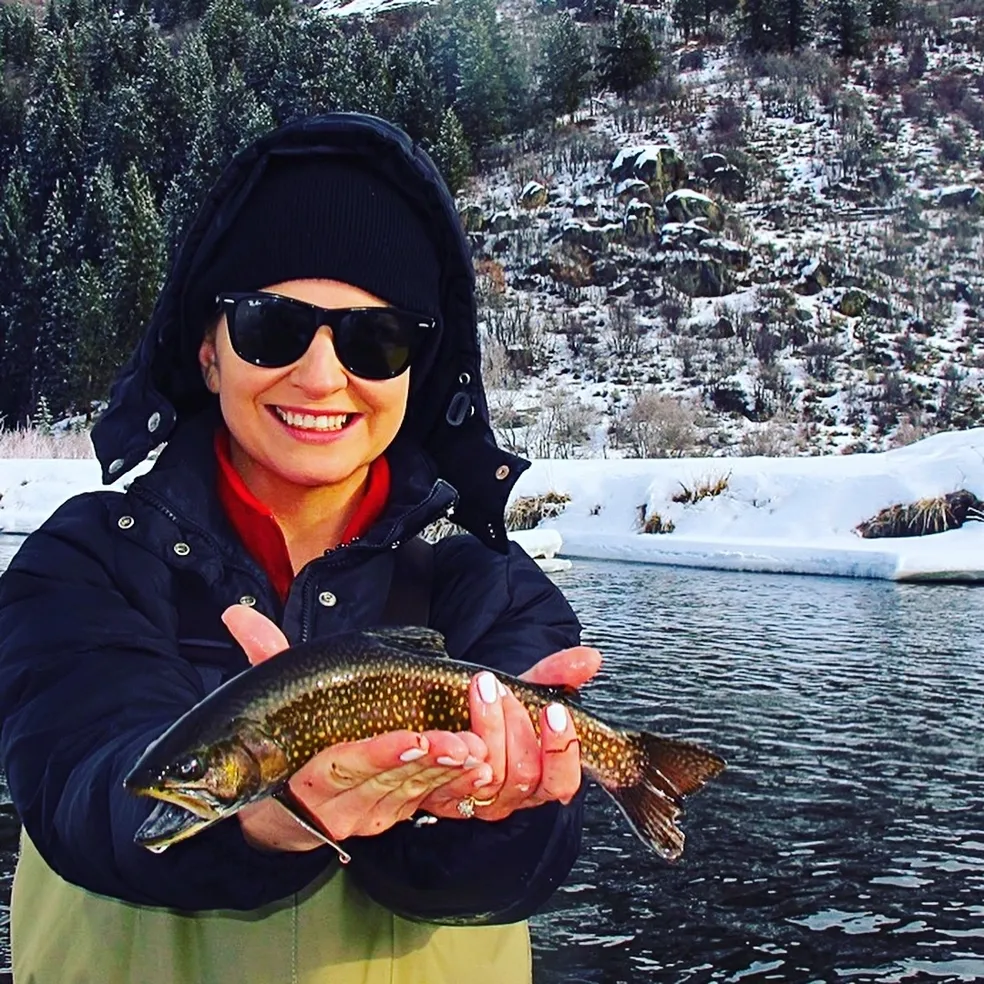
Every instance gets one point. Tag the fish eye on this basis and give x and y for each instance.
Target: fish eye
(190, 768)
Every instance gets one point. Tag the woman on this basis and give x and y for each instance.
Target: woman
(313, 366)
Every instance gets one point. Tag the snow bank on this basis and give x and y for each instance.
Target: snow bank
(790, 515)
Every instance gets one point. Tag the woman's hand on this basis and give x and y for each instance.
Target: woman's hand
(365, 787)
(526, 770)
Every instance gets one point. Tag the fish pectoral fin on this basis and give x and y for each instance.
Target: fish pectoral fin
(414, 639)
(286, 798)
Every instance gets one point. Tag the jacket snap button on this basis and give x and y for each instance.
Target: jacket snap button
(115, 465)
(153, 421)
(327, 599)
(502, 472)
(182, 549)
(124, 522)
(248, 600)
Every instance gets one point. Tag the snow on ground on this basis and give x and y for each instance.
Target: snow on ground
(786, 515)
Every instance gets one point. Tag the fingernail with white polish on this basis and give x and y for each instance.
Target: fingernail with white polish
(471, 762)
(557, 718)
(502, 688)
(412, 754)
(447, 760)
(480, 782)
(488, 687)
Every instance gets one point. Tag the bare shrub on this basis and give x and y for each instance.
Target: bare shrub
(34, 442)
(775, 439)
(562, 427)
(625, 341)
(657, 425)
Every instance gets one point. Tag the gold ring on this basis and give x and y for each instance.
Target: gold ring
(466, 807)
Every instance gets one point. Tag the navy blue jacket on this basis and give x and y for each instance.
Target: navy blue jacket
(108, 633)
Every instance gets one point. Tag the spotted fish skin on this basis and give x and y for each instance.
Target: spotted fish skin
(242, 742)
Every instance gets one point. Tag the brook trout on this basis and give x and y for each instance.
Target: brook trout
(247, 738)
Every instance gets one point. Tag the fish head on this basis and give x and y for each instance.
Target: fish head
(211, 781)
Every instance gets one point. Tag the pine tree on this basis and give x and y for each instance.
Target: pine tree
(418, 104)
(451, 153)
(686, 15)
(798, 24)
(53, 130)
(136, 270)
(761, 25)
(627, 56)
(98, 353)
(488, 97)
(53, 352)
(847, 26)
(240, 117)
(884, 13)
(100, 216)
(226, 29)
(19, 299)
(370, 87)
(565, 66)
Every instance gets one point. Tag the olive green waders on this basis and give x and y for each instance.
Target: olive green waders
(329, 934)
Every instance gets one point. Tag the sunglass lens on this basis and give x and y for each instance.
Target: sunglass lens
(270, 332)
(376, 344)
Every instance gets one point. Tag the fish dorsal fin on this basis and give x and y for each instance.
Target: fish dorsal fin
(417, 639)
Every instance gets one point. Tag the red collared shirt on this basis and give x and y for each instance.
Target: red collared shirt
(258, 527)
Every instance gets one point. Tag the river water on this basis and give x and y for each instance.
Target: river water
(845, 842)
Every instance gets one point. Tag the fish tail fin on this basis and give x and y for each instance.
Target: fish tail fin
(669, 770)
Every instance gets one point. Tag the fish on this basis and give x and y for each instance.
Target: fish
(244, 741)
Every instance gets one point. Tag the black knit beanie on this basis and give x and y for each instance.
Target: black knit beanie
(323, 217)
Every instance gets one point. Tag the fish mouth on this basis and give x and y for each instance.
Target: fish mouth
(193, 799)
(168, 824)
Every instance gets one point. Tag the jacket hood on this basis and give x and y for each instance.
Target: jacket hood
(447, 414)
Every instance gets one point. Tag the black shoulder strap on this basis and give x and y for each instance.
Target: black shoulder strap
(409, 599)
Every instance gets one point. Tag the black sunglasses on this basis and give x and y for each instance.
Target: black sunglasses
(273, 331)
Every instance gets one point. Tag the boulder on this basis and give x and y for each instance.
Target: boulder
(855, 302)
(631, 188)
(472, 217)
(584, 207)
(639, 220)
(968, 197)
(504, 222)
(683, 235)
(710, 163)
(731, 255)
(685, 205)
(722, 328)
(728, 182)
(594, 238)
(604, 273)
(814, 277)
(533, 195)
(659, 165)
(697, 276)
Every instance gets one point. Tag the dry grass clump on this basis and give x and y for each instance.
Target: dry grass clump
(33, 442)
(528, 510)
(705, 488)
(934, 514)
(654, 523)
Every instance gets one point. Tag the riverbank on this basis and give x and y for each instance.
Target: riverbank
(782, 515)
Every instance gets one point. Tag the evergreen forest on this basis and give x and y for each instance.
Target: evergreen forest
(115, 119)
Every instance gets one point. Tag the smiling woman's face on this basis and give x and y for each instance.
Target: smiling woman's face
(311, 424)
